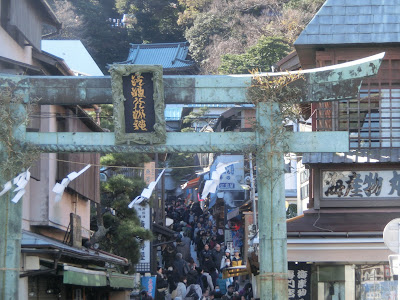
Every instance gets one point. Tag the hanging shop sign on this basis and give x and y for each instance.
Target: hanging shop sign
(144, 214)
(138, 98)
(299, 281)
(361, 184)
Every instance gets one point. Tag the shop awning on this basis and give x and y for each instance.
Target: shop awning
(79, 276)
(121, 281)
(32, 241)
(191, 184)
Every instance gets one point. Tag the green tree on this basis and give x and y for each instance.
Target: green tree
(191, 8)
(193, 118)
(261, 56)
(117, 227)
(200, 35)
(124, 232)
(179, 163)
(155, 21)
(87, 21)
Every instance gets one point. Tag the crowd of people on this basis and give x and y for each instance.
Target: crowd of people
(192, 267)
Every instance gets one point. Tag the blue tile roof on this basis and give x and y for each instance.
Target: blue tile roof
(353, 22)
(173, 112)
(172, 56)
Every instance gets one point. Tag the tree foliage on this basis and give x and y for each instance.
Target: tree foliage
(156, 20)
(87, 21)
(193, 118)
(261, 56)
(217, 27)
(123, 159)
(178, 160)
(125, 231)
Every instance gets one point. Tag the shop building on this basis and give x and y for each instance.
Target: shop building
(352, 195)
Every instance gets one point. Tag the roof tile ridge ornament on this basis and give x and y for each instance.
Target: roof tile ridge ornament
(176, 54)
(188, 61)
(136, 55)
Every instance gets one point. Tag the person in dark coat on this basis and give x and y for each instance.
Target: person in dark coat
(183, 246)
(180, 265)
(161, 285)
(208, 263)
(200, 245)
(216, 255)
(206, 252)
(169, 254)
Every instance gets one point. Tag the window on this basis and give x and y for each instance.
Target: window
(373, 119)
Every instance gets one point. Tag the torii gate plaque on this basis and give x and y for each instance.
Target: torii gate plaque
(325, 84)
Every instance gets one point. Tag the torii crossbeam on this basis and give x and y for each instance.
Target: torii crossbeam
(325, 84)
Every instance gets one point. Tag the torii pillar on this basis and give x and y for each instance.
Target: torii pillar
(325, 84)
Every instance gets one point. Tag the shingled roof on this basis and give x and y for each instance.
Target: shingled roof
(172, 56)
(353, 22)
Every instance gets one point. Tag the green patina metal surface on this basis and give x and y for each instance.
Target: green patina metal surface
(10, 228)
(271, 206)
(194, 142)
(323, 84)
(342, 81)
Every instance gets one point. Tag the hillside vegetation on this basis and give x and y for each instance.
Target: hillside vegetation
(225, 36)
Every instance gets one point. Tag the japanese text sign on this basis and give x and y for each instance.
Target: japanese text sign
(299, 279)
(138, 98)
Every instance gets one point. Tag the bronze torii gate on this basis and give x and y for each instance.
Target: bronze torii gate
(325, 84)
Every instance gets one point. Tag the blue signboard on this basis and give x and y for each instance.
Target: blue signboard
(149, 284)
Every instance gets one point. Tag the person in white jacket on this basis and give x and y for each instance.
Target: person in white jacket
(196, 288)
(226, 256)
(181, 289)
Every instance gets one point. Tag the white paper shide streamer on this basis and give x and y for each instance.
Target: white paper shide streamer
(60, 187)
(20, 181)
(210, 186)
(146, 194)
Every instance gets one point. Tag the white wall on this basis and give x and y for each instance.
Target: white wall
(10, 49)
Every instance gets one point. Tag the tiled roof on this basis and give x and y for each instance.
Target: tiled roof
(353, 22)
(173, 112)
(34, 240)
(170, 55)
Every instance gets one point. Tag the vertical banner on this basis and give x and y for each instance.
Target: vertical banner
(144, 214)
(149, 284)
(299, 281)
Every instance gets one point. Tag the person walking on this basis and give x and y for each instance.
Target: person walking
(183, 246)
(236, 262)
(161, 285)
(216, 256)
(180, 265)
(181, 289)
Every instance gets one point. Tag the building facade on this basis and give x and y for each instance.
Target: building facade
(352, 195)
(54, 262)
